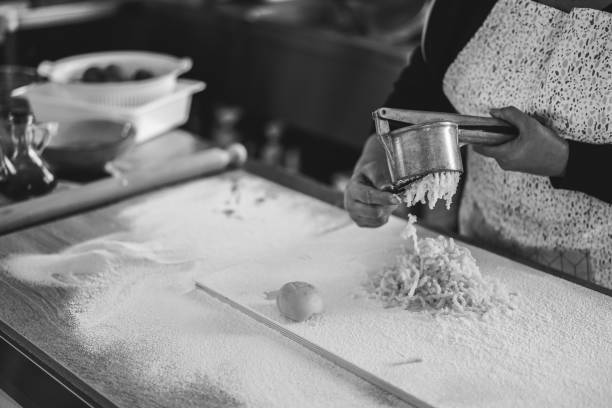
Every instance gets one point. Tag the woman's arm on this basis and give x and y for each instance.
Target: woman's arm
(587, 170)
(364, 200)
(416, 88)
(537, 149)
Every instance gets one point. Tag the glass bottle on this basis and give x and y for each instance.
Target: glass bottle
(225, 130)
(32, 177)
(272, 152)
(7, 170)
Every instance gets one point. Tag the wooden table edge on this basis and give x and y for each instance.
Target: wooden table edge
(50, 377)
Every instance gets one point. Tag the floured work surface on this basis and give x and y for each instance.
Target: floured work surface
(119, 310)
(553, 350)
(110, 296)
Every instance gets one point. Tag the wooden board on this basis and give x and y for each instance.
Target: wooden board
(554, 350)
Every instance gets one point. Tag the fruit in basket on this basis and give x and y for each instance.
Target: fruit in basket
(113, 73)
(67, 74)
(142, 74)
(93, 74)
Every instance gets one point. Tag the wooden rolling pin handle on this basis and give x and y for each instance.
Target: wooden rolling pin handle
(106, 191)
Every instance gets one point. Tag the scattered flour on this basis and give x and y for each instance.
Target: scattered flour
(131, 302)
(553, 350)
(175, 337)
(87, 264)
(131, 306)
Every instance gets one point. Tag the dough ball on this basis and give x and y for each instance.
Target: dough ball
(298, 301)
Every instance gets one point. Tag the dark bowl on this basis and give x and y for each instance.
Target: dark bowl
(84, 147)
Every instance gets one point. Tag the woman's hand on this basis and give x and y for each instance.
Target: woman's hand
(367, 205)
(536, 150)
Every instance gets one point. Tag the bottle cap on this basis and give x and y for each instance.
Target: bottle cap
(19, 111)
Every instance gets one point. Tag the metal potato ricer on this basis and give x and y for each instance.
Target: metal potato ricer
(432, 143)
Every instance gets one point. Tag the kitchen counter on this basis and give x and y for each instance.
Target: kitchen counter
(130, 330)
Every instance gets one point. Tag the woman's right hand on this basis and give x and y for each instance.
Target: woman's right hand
(367, 205)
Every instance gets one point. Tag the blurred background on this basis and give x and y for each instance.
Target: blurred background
(294, 80)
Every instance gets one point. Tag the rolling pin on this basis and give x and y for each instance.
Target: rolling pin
(96, 194)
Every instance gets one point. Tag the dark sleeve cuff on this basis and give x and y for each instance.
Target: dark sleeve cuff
(587, 168)
(568, 180)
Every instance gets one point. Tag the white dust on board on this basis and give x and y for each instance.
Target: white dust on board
(134, 297)
(91, 263)
(554, 350)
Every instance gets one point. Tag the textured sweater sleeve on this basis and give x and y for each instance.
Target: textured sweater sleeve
(587, 171)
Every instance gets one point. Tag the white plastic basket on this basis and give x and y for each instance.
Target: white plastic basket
(151, 119)
(65, 74)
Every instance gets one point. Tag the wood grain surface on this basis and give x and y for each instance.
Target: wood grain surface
(40, 315)
(42, 318)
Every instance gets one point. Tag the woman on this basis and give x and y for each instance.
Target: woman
(545, 67)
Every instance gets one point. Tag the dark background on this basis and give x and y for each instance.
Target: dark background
(319, 78)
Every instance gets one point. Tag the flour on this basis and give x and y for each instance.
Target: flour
(132, 305)
(554, 350)
(87, 264)
(176, 338)
(132, 298)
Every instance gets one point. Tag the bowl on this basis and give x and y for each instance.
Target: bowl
(150, 119)
(84, 147)
(67, 76)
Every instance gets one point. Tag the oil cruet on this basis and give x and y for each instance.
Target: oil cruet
(7, 170)
(27, 175)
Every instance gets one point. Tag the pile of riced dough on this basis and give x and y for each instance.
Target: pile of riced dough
(438, 275)
(431, 188)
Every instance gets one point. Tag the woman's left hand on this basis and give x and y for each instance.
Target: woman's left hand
(536, 150)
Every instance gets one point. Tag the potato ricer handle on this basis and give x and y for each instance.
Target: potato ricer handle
(472, 129)
(486, 135)
(415, 117)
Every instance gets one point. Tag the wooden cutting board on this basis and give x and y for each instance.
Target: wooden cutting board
(553, 350)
